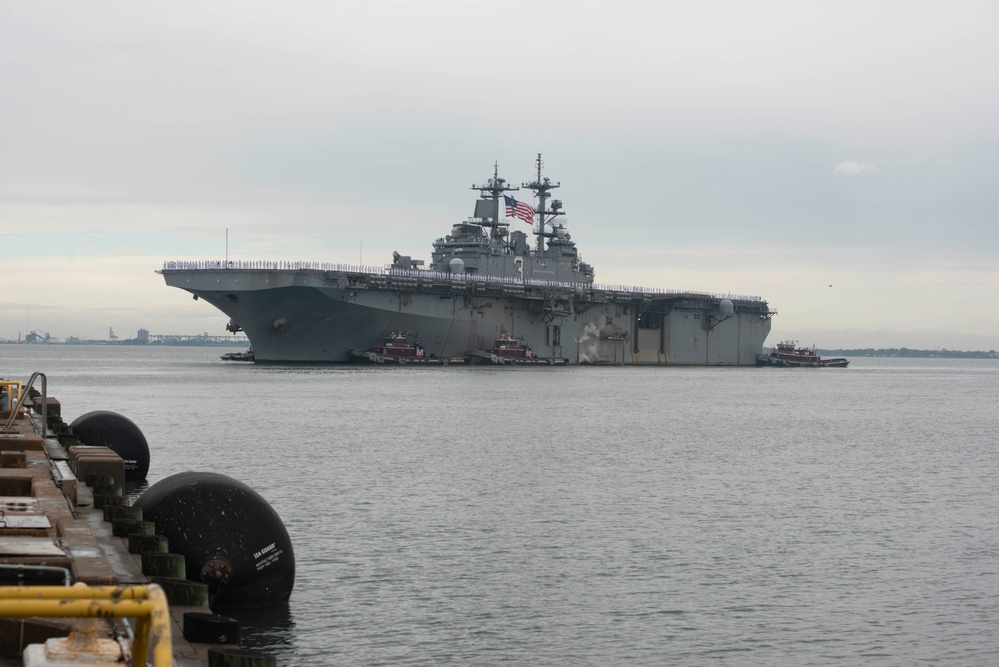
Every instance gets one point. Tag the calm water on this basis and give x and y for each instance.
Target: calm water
(592, 516)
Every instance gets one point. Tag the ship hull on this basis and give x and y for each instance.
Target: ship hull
(315, 316)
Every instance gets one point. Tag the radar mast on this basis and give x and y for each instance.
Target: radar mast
(487, 208)
(542, 186)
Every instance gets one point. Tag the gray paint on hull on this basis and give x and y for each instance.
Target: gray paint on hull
(318, 317)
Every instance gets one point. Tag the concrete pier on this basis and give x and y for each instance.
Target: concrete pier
(60, 524)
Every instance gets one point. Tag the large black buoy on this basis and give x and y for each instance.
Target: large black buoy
(118, 433)
(230, 537)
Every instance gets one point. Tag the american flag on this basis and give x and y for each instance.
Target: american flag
(518, 209)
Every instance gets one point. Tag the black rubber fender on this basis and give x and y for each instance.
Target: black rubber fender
(102, 428)
(203, 628)
(230, 537)
(224, 656)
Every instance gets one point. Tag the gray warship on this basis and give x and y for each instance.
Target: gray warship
(485, 283)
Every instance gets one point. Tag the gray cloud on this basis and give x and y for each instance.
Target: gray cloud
(854, 168)
(308, 128)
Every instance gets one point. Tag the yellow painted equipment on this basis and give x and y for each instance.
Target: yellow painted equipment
(10, 391)
(147, 604)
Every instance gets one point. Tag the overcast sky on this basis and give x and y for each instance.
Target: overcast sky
(839, 159)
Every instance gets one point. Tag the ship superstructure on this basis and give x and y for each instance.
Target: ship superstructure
(484, 282)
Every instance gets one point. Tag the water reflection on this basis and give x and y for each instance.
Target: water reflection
(268, 630)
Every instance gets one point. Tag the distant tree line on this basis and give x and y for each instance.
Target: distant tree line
(906, 352)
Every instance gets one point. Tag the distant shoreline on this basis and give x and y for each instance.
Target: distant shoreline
(907, 352)
(238, 342)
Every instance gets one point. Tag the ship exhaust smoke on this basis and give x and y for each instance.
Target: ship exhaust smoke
(588, 343)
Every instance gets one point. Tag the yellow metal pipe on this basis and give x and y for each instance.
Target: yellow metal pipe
(77, 608)
(160, 634)
(140, 644)
(75, 592)
(146, 603)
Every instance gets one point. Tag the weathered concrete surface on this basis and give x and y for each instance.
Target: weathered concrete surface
(48, 518)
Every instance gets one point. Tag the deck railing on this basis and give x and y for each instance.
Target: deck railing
(267, 265)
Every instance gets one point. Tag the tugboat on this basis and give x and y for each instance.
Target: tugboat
(509, 350)
(788, 354)
(238, 356)
(397, 348)
(397, 344)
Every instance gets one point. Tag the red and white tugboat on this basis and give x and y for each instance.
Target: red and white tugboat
(509, 350)
(398, 349)
(788, 354)
(397, 344)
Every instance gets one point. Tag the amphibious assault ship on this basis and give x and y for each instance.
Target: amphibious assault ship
(484, 282)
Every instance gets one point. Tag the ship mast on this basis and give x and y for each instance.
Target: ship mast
(490, 194)
(542, 187)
